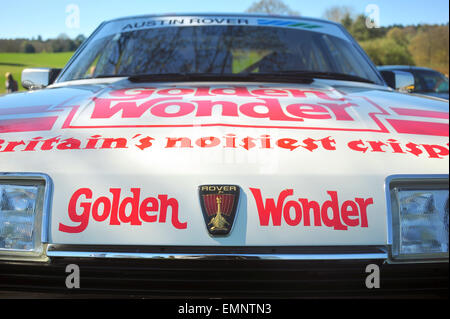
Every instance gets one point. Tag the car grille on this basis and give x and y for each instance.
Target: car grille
(222, 279)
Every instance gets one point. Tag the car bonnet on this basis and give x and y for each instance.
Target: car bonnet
(128, 160)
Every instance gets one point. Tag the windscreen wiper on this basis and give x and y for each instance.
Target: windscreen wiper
(101, 76)
(328, 75)
(249, 77)
(282, 76)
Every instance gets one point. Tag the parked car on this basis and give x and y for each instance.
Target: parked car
(426, 81)
(222, 156)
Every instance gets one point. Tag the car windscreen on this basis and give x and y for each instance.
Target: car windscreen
(217, 49)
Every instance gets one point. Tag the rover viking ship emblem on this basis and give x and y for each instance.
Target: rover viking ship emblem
(219, 204)
(218, 222)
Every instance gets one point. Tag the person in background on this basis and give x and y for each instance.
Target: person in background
(11, 84)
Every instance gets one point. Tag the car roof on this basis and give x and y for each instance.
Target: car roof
(221, 14)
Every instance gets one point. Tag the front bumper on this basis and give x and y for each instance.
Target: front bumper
(231, 273)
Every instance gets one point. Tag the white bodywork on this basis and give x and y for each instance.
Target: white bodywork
(312, 146)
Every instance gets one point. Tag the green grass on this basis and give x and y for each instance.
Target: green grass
(16, 62)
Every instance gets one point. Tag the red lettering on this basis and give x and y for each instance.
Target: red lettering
(173, 203)
(339, 110)
(363, 203)
(270, 209)
(413, 149)
(332, 204)
(133, 94)
(203, 91)
(319, 94)
(287, 143)
(248, 142)
(395, 146)
(349, 209)
(307, 206)
(115, 206)
(175, 91)
(205, 108)
(234, 90)
(133, 218)
(184, 108)
(358, 146)
(145, 142)
(106, 209)
(127, 210)
(329, 213)
(92, 142)
(265, 141)
(149, 205)
(209, 141)
(310, 144)
(83, 218)
(48, 144)
(435, 151)
(230, 140)
(273, 111)
(328, 143)
(32, 144)
(298, 213)
(184, 141)
(119, 142)
(129, 109)
(69, 144)
(376, 146)
(309, 111)
(12, 145)
(269, 92)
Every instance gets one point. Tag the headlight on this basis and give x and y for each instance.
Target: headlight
(22, 206)
(419, 208)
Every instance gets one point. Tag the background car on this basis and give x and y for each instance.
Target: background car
(426, 81)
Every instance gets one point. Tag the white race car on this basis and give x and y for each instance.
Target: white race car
(215, 156)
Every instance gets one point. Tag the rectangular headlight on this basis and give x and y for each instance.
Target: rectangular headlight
(22, 206)
(419, 208)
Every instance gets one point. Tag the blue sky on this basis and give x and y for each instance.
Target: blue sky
(30, 18)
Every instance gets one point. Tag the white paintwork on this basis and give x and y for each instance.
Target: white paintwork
(178, 172)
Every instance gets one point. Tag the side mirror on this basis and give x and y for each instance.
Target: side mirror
(38, 78)
(399, 80)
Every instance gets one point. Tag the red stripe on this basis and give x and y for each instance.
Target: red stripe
(421, 128)
(27, 124)
(25, 110)
(420, 113)
(208, 204)
(226, 207)
(233, 125)
(229, 200)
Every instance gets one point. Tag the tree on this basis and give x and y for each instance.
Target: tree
(27, 47)
(358, 28)
(347, 22)
(79, 40)
(386, 51)
(398, 35)
(429, 47)
(63, 44)
(361, 32)
(338, 13)
(271, 7)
